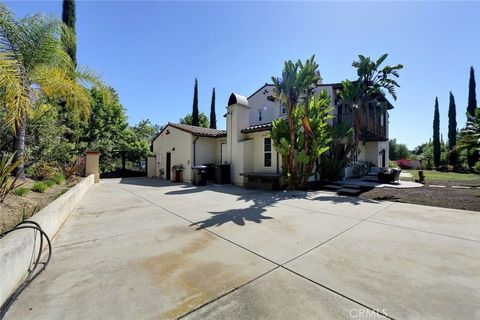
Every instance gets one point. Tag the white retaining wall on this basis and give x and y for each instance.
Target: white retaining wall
(16, 248)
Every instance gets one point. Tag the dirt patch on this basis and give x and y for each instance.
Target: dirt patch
(448, 197)
(18, 208)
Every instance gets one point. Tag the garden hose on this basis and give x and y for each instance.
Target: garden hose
(33, 271)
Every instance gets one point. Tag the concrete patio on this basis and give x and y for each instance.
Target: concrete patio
(145, 249)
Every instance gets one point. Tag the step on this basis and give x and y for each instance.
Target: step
(331, 187)
(351, 186)
(349, 192)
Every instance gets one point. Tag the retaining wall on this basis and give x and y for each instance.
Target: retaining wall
(17, 248)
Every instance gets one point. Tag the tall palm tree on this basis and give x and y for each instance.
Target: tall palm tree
(34, 64)
(370, 87)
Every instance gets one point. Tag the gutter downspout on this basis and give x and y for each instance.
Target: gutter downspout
(194, 153)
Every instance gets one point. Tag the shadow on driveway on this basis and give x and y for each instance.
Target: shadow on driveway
(261, 200)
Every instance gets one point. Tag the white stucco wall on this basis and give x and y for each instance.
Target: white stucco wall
(205, 151)
(257, 154)
(182, 142)
(259, 101)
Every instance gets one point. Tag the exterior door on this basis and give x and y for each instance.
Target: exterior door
(223, 152)
(168, 165)
(383, 158)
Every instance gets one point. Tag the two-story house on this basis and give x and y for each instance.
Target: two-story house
(246, 144)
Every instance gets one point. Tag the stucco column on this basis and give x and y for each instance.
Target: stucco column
(92, 164)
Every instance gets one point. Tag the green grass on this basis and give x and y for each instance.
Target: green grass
(58, 178)
(40, 187)
(49, 183)
(443, 176)
(21, 191)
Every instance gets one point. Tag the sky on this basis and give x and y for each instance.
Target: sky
(152, 51)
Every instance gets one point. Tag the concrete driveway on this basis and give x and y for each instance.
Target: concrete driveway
(143, 249)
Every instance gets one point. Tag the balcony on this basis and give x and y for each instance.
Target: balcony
(370, 129)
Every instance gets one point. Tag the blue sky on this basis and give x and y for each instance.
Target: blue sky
(151, 52)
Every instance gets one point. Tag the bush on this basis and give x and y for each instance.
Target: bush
(442, 168)
(404, 164)
(21, 191)
(43, 171)
(39, 187)
(49, 183)
(476, 167)
(58, 178)
(392, 164)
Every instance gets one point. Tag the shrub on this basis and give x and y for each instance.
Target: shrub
(21, 191)
(404, 164)
(43, 171)
(58, 178)
(39, 187)
(392, 164)
(49, 183)
(476, 167)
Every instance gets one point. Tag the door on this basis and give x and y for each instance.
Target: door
(168, 165)
(383, 158)
(223, 152)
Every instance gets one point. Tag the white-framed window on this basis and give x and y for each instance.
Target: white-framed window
(283, 109)
(260, 115)
(267, 152)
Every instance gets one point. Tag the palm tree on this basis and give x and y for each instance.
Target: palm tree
(295, 87)
(469, 139)
(370, 87)
(34, 64)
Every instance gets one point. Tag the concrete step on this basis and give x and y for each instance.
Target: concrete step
(349, 192)
(331, 187)
(351, 186)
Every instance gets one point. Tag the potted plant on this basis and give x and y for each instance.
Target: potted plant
(161, 172)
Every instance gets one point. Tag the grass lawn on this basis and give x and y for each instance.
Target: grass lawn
(432, 175)
(447, 197)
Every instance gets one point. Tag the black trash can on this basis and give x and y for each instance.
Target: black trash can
(199, 175)
(210, 171)
(222, 173)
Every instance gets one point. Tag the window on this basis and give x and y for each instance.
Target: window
(267, 152)
(283, 109)
(260, 115)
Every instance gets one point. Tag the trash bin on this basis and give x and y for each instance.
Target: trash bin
(222, 173)
(177, 174)
(210, 171)
(199, 175)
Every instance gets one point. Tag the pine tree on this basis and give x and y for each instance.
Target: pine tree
(213, 116)
(452, 131)
(472, 95)
(68, 17)
(195, 119)
(436, 135)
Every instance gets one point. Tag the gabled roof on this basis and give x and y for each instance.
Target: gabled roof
(257, 128)
(194, 130)
(335, 86)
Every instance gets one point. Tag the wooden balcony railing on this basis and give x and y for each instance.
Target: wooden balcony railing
(371, 129)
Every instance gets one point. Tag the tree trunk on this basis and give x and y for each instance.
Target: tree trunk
(291, 156)
(20, 131)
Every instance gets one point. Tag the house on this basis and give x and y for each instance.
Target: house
(246, 144)
(186, 146)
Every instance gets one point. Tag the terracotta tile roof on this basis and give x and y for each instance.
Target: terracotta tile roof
(257, 128)
(199, 131)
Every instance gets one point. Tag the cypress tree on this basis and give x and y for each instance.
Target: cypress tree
(213, 116)
(472, 95)
(436, 135)
(195, 119)
(452, 131)
(68, 17)
(472, 157)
